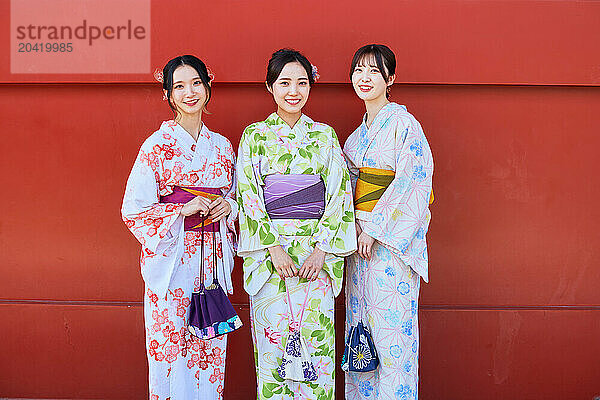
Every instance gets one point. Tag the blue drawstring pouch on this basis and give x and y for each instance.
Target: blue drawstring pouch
(360, 354)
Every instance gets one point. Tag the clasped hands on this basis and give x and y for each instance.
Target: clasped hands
(286, 268)
(215, 210)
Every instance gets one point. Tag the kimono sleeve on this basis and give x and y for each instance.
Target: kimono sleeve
(230, 194)
(157, 226)
(348, 156)
(256, 230)
(230, 198)
(401, 217)
(336, 232)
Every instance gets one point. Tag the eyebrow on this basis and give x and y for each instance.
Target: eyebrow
(367, 65)
(193, 79)
(289, 79)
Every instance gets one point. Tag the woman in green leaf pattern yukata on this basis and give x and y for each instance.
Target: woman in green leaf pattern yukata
(297, 224)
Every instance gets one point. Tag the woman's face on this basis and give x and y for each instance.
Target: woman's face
(291, 88)
(189, 94)
(368, 81)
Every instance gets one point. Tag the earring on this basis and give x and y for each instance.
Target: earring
(164, 96)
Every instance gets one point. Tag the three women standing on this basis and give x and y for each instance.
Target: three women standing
(183, 174)
(391, 167)
(296, 225)
(295, 198)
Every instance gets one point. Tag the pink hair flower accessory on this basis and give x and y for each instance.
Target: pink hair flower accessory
(158, 75)
(315, 72)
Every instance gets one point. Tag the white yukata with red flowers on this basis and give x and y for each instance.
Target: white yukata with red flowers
(181, 367)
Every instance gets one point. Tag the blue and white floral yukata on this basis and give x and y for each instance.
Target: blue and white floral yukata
(399, 221)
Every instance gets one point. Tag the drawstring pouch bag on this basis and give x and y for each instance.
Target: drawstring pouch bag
(359, 351)
(296, 364)
(211, 313)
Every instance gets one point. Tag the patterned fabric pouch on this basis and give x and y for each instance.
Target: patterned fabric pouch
(360, 354)
(211, 312)
(296, 364)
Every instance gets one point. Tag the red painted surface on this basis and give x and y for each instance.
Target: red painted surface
(454, 41)
(513, 307)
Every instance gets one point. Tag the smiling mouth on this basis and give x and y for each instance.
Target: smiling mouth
(365, 88)
(292, 102)
(191, 102)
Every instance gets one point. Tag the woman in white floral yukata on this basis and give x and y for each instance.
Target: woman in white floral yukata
(391, 168)
(183, 177)
(296, 225)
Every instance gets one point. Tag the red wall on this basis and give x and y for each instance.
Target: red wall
(508, 94)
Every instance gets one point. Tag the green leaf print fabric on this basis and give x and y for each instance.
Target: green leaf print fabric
(272, 147)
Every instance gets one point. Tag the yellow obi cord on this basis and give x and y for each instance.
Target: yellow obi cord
(370, 186)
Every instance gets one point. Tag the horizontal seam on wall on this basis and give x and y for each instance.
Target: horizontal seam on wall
(261, 84)
(425, 307)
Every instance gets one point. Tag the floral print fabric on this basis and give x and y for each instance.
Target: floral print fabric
(391, 304)
(395, 141)
(270, 326)
(272, 147)
(180, 365)
(399, 222)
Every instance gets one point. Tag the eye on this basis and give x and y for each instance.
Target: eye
(374, 70)
(198, 82)
(303, 83)
(284, 83)
(178, 86)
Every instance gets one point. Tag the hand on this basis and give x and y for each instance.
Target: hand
(313, 265)
(283, 263)
(198, 204)
(365, 245)
(219, 209)
(358, 229)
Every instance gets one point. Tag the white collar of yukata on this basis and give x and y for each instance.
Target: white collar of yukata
(389, 107)
(171, 126)
(275, 119)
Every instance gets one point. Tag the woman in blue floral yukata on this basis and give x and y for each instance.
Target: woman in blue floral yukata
(391, 167)
(297, 224)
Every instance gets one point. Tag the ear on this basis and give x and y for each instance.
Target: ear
(391, 80)
(268, 88)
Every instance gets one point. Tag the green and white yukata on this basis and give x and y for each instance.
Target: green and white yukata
(272, 147)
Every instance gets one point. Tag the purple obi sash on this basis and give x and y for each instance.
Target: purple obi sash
(183, 194)
(294, 196)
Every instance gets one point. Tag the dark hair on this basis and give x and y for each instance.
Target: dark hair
(177, 62)
(384, 57)
(281, 58)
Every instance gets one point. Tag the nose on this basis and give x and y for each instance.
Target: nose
(364, 76)
(293, 88)
(189, 90)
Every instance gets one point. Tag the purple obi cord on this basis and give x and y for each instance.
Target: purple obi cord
(294, 196)
(183, 194)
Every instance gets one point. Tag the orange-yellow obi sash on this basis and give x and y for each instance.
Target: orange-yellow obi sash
(370, 186)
